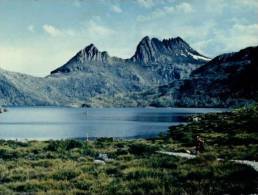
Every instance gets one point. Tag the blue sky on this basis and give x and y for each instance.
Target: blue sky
(36, 36)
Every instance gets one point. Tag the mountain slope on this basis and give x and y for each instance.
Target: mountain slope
(227, 80)
(88, 55)
(18, 89)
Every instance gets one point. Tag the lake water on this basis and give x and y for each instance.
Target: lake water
(42, 123)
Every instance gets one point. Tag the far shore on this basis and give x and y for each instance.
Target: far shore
(3, 110)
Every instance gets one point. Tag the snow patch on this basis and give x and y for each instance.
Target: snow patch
(197, 57)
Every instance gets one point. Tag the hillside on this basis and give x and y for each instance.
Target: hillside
(227, 80)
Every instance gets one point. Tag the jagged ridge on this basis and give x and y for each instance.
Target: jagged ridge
(89, 54)
(168, 50)
(149, 51)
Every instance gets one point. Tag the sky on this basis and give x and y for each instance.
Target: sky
(37, 36)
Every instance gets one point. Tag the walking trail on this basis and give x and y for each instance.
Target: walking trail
(253, 164)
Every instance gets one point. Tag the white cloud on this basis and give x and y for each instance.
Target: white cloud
(54, 31)
(96, 29)
(166, 10)
(116, 9)
(239, 36)
(34, 59)
(31, 28)
(145, 3)
(249, 29)
(157, 13)
(248, 3)
(51, 30)
(235, 38)
(184, 7)
(216, 7)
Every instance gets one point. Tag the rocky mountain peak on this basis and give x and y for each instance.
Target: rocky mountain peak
(91, 53)
(173, 49)
(91, 47)
(145, 39)
(147, 50)
(175, 43)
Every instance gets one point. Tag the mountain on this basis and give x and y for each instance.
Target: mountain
(93, 78)
(160, 73)
(170, 59)
(227, 80)
(158, 62)
(176, 50)
(17, 89)
(89, 54)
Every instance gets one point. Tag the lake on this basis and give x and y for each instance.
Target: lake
(43, 123)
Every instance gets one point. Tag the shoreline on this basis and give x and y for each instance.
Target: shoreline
(2, 110)
(115, 166)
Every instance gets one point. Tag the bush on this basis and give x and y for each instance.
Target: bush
(142, 149)
(65, 174)
(113, 171)
(7, 153)
(103, 141)
(161, 161)
(83, 182)
(31, 186)
(89, 150)
(145, 186)
(63, 145)
(140, 172)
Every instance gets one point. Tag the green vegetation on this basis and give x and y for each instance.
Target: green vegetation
(230, 135)
(68, 167)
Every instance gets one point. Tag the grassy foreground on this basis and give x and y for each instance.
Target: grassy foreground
(67, 166)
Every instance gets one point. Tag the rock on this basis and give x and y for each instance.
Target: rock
(99, 162)
(104, 157)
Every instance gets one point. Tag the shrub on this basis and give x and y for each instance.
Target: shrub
(83, 182)
(63, 145)
(65, 174)
(7, 153)
(142, 149)
(89, 150)
(140, 172)
(145, 186)
(161, 161)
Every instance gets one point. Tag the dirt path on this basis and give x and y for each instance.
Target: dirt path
(253, 164)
